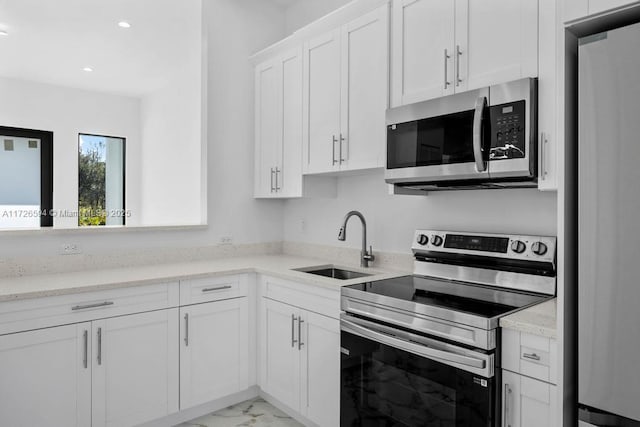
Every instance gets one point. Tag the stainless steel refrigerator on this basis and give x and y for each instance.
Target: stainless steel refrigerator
(609, 228)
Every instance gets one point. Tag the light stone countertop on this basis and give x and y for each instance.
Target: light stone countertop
(538, 320)
(44, 285)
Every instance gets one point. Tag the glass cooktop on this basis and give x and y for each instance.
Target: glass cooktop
(468, 298)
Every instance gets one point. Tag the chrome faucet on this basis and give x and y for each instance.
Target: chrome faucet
(365, 257)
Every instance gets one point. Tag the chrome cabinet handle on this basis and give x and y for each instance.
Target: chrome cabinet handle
(99, 346)
(300, 343)
(84, 307)
(458, 55)
(293, 338)
(272, 180)
(481, 103)
(277, 173)
(335, 141)
(531, 356)
(342, 140)
(186, 329)
(507, 411)
(544, 140)
(446, 70)
(85, 358)
(219, 288)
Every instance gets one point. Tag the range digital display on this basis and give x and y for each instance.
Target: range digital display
(477, 243)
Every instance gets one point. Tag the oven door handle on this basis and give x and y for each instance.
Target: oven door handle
(481, 104)
(402, 341)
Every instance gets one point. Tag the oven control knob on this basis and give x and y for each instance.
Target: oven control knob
(518, 246)
(436, 240)
(539, 248)
(422, 239)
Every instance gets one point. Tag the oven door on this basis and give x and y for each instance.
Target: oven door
(394, 378)
(443, 139)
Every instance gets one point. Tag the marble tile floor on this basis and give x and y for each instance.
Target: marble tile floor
(252, 413)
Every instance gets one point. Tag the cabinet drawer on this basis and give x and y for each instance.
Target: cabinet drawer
(530, 355)
(313, 298)
(215, 288)
(28, 314)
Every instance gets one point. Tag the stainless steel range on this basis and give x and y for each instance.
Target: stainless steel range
(424, 350)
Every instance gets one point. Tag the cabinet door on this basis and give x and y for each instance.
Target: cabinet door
(280, 356)
(135, 368)
(214, 351)
(364, 43)
(422, 50)
(527, 402)
(497, 41)
(45, 380)
(289, 176)
(268, 127)
(321, 103)
(510, 399)
(320, 369)
(548, 97)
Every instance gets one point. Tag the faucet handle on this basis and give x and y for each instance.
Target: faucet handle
(369, 255)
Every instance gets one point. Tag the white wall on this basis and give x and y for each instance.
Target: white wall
(237, 29)
(304, 12)
(391, 220)
(68, 112)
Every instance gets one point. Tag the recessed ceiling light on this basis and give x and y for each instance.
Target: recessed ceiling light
(124, 24)
(4, 33)
(87, 69)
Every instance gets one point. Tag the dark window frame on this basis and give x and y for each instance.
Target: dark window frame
(124, 169)
(46, 168)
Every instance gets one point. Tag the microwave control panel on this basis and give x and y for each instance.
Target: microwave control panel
(508, 131)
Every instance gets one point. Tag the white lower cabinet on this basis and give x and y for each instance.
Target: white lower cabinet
(214, 351)
(527, 402)
(113, 372)
(45, 377)
(134, 368)
(300, 361)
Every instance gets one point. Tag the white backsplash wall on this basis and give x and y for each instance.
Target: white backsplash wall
(391, 220)
(237, 29)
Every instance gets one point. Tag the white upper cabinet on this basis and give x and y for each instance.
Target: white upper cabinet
(496, 41)
(278, 126)
(365, 51)
(321, 103)
(268, 142)
(134, 368)
(442, 47)
(46, 377)
(422, 50)
(346, 95)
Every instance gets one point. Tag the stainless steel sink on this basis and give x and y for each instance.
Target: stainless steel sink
(336, 273)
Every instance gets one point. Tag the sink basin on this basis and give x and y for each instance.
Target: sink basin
(336, 273)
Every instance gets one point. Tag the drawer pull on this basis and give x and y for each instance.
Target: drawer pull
(531, 356)
(219, 288)
(84, 307)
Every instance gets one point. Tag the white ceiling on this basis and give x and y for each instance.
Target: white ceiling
(285, 3)
(51, 41)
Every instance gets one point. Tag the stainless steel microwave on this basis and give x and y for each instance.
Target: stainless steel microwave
(484, 138)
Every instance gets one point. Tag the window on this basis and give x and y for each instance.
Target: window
(26, 178)
(101, 177)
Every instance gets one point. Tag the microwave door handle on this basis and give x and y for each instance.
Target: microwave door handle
(412, 347)
(481, 103)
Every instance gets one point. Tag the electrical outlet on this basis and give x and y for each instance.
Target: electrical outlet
(70, 249)
(226, 240)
